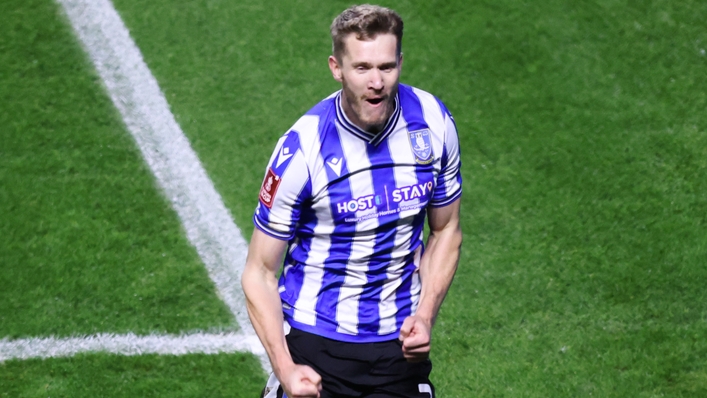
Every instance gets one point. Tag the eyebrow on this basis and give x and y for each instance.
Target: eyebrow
(386, 65)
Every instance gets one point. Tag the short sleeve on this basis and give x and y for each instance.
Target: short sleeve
(449, 181)
(285, 188)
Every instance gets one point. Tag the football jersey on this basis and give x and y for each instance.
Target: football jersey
(352, 207)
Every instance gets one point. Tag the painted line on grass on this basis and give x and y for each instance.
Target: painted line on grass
(135, 92)
(130, 344)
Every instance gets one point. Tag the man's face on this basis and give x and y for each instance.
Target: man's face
(369, 71)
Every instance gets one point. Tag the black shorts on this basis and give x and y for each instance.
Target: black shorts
(372, 370)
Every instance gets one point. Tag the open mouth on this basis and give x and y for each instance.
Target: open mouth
(374, 101)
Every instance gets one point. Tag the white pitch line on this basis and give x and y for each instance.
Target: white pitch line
(135, 92)
(130, 344)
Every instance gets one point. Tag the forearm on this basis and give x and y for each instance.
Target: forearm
(437, 268)
(265, 311)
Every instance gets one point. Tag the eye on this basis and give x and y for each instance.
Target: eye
(387, 68)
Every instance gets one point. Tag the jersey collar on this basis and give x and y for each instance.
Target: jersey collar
(373, 139)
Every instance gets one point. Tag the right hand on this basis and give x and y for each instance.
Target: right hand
(301, 381)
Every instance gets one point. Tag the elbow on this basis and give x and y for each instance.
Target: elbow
(244, 281)
(247, 279)
(457, 238)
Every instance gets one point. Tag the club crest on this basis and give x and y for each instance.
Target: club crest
(421, 146)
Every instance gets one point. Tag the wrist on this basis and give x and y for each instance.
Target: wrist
(425, 316)
(282, 366)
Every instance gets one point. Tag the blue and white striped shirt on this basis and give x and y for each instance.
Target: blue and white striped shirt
(352, 206)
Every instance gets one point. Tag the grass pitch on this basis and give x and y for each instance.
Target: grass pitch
(87, 241)
(100, 375)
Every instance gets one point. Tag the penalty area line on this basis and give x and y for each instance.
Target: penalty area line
(136, 94)
(129, 344)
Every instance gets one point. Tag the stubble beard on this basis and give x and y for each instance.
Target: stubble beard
(356, 115)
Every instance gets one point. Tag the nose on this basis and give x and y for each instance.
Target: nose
(376, 81)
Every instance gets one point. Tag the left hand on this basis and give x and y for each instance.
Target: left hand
(415, 335)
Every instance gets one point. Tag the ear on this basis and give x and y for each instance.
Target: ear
(335, 68)
(400, 61)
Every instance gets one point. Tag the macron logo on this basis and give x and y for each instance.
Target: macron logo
(284, 155)
(335, 165)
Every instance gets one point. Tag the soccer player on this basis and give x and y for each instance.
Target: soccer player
(344, 200)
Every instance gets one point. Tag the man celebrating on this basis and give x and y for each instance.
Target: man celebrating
(344, 199)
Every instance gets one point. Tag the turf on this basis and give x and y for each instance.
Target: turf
(221, 64)
(583, 146)
(87, 241)
(585, 210)
(101, 375)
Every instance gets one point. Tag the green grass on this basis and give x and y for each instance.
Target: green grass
(221, 65)
(585, 208)
(100, 375)
(87, 241)
(584, 142)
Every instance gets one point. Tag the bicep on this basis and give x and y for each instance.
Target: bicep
(265, 252)
(445, 217)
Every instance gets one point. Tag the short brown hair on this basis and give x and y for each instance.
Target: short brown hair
(366, 22)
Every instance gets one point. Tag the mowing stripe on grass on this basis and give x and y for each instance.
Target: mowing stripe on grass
(135, 92)
(130, 344)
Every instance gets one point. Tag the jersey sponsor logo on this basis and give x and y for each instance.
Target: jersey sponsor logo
(421, 146)
(398, 195)
(358, 204)
(411, 192)
(269, 188)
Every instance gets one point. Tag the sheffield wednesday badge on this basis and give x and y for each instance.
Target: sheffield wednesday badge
(421, 146)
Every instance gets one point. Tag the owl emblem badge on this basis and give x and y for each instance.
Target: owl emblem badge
(421, 145)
